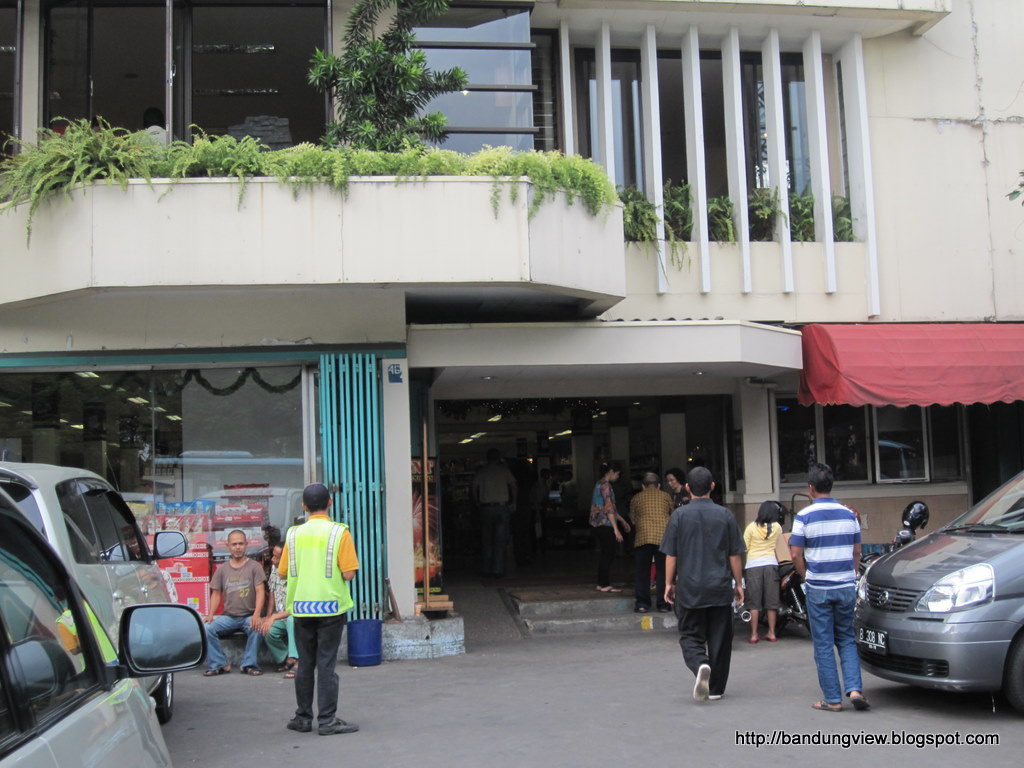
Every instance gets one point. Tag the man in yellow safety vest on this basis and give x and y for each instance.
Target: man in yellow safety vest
(319, 560)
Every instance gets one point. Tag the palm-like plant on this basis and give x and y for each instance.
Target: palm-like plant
(380, 84)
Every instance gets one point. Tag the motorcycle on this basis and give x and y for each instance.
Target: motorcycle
(915, 517)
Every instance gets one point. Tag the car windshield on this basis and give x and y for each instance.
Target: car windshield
(1001, 511)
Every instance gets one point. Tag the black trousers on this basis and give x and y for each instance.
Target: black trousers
(705, 635)
(605, 553)
(642, 557)
(317, 639)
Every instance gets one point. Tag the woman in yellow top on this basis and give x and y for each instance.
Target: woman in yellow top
(761, 573)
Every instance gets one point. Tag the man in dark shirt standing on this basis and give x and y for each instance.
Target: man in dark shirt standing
(703, 573)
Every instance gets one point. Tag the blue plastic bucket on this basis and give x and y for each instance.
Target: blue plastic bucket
(364, 642)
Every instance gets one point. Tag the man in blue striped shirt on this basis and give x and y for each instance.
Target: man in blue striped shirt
(825, 547)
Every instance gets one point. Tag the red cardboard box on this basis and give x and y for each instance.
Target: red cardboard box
(195, 594)
(187, 568)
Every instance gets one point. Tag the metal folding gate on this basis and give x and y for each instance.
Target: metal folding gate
(351, 426)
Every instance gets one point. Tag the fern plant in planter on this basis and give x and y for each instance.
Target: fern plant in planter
(721, 220)
(678, 211)
(842, 219)
(639, 216)
(763, 209)
(801, 217)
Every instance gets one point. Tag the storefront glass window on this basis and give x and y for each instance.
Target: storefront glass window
(230, 436)
(627, 132)
(901, 443)
(845, 431)
(798, 439)
(944, 430)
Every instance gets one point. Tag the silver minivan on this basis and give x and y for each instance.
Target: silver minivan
(96, 536)
(68, 697)
(947, 611)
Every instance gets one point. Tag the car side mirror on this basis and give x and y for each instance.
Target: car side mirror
(169, 544)
(157, 639)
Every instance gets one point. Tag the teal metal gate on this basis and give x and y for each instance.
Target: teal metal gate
(351, 426)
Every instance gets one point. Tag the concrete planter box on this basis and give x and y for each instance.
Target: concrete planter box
(438, 232)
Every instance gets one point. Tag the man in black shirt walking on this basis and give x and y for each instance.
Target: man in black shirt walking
(703, 573)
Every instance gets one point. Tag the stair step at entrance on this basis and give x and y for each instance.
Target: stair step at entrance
(567, 608)
(608, 622)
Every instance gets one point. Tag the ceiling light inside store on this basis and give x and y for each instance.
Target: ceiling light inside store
(478, 435)
(563, 434)
(486, 378)
(87, 374)
(159, 409)
(4, 405)
(77, 426)
(138, 400)
(495, 418)
(467, 440)
(174, 418)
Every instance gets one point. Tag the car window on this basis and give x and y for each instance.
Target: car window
(22, 494)
(48, 659)
(81, 531)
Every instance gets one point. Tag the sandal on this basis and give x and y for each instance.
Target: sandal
(217, 671)
(252, 671)
(290, 674)
(860, 703)
(824, 706)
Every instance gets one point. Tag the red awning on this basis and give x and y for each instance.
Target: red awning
(912, 364)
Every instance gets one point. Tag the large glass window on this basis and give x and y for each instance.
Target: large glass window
(162, 438)
(627, 131)
(492, 44)
(8, 67)
(886, 444)
(104, 59)
(247, 72)
(755, 125)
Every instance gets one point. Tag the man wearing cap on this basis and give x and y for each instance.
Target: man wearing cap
(318, 560)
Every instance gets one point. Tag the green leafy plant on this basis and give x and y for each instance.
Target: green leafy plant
(380, 84)
(801, 217)
(639, 216)
(763, 209)
(56, 163)
(678, 211)
(842, 219)
(721, 219)
(80, 155)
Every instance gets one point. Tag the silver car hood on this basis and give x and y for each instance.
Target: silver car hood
(919, 565)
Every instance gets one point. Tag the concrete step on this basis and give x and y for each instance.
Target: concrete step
(541, 609)
(606, 622)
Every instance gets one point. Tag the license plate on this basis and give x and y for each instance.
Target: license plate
(873, 639)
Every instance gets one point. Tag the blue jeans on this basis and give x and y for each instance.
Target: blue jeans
(225, 625)
(831, 615)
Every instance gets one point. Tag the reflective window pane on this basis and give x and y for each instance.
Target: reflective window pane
(249, 73)
(486, 67)
(8, 55)
(474, 142)
(846, 441)
(901, 454)
(478, 25)
(67, 61)
(128, 52)
(798, 441)
(485, 109)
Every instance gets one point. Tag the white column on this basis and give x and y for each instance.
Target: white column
(755, 417)
(735, 148)
(858, 158)
(771, 66)
(651, 120)
(693, 112)
(31, 85)
(398, 483)
(565, 89)
(821, 183)
(605, 150)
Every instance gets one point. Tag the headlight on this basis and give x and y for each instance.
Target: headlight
(862, 588)
(970, 586)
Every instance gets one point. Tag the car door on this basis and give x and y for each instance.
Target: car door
(55, 708)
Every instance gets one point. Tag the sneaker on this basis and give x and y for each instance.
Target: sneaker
(700, 687)
(664, 608)
(338, 726)
(641, 608)
(715, 696)
(297, 724)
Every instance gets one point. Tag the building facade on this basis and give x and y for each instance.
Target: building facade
(186, 344)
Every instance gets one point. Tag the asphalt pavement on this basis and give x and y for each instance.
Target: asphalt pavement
(586, 700)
